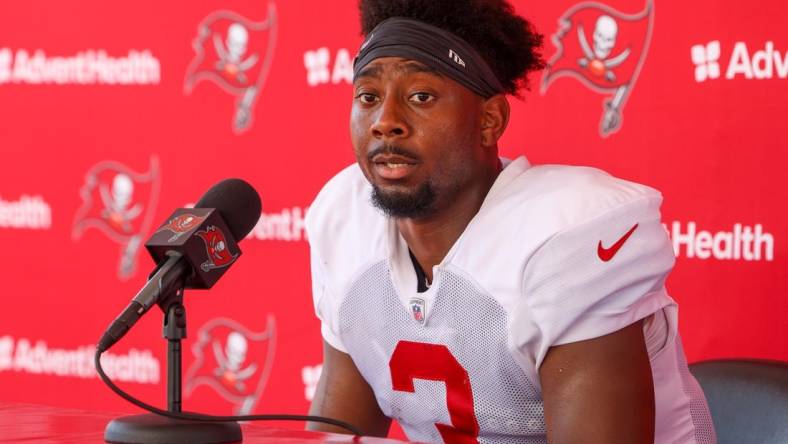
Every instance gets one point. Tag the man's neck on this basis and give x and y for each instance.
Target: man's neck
(430, 238)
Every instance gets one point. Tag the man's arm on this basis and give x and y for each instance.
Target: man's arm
(599, 390)
(343, 394)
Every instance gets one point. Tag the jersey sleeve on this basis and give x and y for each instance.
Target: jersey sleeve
(596, 277)
(322, 301)
(324, 228)
(343, 229)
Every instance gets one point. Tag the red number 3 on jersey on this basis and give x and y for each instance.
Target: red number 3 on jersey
(417, 360)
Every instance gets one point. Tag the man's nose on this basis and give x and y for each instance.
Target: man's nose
(390, 122)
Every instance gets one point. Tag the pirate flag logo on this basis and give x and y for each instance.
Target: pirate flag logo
(181, 225)
(120, 203)
(219, 254)
(605, 49)
(233, 361)
(235, 53)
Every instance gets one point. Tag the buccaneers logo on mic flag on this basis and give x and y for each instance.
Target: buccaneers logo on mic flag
(233, 361)
(181, 225)
(120, 203)
(235, 53)
(605, 49)
(219, 254)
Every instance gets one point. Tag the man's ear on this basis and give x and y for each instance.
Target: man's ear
(495, 118)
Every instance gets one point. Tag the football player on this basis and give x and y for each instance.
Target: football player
(476, 299)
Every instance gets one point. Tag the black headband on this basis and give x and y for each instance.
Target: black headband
(432, 46)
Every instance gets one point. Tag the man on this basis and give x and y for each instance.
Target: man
(475, 299)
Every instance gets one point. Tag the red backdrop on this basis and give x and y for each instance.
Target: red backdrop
(113, 115)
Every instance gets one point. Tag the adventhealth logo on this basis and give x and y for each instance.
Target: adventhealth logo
(706, 59)
(287, 225)
(88, 67)
(740, 243)
(5, 65)
(761, 63)
(322, 70)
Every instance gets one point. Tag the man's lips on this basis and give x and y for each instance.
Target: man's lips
(393, 166)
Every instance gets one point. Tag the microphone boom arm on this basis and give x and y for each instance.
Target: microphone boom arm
(166, 278)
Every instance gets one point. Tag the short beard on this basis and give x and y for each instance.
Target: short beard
(403, 205)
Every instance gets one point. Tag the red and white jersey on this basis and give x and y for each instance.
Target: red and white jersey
(556, 254)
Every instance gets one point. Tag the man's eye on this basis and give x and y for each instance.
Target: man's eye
(422, 97)
(366, 98)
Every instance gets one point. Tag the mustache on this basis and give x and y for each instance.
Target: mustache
(392, 149)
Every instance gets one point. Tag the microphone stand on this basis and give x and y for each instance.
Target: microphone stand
(152, 428)
(174, 330)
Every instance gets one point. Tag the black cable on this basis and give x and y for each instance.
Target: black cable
(202, 417)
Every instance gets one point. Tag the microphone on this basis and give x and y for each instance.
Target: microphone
(193, 249)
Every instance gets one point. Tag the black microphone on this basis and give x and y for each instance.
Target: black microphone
(193, 249)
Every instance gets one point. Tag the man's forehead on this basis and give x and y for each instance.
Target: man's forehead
(400, 65)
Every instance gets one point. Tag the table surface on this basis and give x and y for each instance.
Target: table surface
(43, 424)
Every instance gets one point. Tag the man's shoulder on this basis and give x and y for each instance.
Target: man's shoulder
(538, 203)
(342, 225)
(561, 211)
(344, 195)
(347, 183)
(562, 196)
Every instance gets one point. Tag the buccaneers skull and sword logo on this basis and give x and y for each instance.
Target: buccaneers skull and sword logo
(120, 203)
(180, 225)
(604, 49)
(233, 361)
(234, 53)
(219, 256)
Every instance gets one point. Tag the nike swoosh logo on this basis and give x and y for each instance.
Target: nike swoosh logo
(607, 253)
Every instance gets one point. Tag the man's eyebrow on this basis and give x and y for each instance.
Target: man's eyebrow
(408, 67)
(414, 67)
(370, 71)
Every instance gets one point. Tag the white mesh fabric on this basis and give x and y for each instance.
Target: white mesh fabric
(699, 411)
(474, 328)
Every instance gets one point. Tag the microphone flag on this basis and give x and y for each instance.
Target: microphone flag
(204, 240)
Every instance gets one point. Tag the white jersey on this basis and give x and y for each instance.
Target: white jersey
(556, 254)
